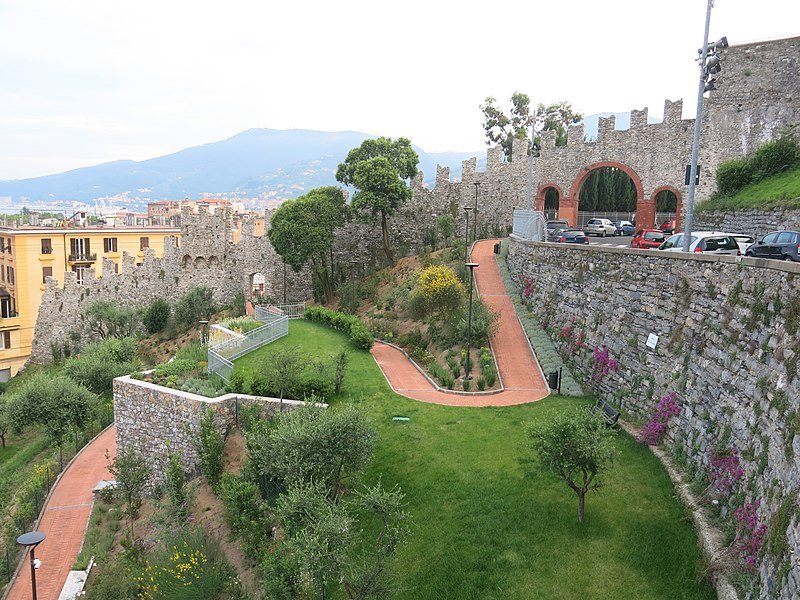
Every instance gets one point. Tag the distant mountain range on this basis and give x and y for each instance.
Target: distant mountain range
(256, 163)
(265, 163)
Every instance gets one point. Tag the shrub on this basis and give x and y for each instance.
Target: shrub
(245, 511)
(438, 291)
(179, 366)
(156, 316)
(101, 362)
(196, 305)
(210, 445)
(775, 156)
(733, 175)
(349, 324)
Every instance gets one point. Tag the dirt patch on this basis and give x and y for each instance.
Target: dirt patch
(235, 453)
(209, 512)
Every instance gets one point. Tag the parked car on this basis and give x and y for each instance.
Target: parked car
(600, 227)
(668, 226)
(624, 227)
(554, 227)
(780, 245)
(714, 242)
(647, 238)
(573, 236)
(744, 241)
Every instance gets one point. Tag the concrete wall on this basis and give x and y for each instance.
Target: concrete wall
(728, 343)
(148, 416)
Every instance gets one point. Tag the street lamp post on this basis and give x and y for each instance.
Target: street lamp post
(203, 332)
(477, 184)
(471, 266)
(707, 68)
(466, 234)
(30, 540)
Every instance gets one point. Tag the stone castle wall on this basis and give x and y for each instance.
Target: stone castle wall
(728, 337)
(205, 256)
(754, 222)
(149, 416)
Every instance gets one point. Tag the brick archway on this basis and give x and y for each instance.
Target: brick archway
(568, 206)
(540, 195)
(679, 206)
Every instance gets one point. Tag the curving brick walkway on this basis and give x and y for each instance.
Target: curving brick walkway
(520, 372)
(66, 516)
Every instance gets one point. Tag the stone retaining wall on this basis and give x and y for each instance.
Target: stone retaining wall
(728, 342)
(148, 416)
(753, 222)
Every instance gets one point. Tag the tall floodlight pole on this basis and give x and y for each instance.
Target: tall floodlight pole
(477, 184)
(471, 266)
(529, 191)
(687, 229)
(466, 234)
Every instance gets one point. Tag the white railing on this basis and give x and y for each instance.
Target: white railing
(222, 354)
(293, 311)
(530, 225)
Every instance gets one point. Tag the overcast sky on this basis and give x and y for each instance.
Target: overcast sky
(91, 81)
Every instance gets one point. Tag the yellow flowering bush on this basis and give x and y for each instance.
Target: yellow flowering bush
(438, 290)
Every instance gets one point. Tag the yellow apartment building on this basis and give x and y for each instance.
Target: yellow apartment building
(30, 254)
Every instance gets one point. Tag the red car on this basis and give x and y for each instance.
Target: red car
(667, 227)
(647, 238)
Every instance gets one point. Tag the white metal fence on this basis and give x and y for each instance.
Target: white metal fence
(530, 225)
(268, 313)
(222, 355)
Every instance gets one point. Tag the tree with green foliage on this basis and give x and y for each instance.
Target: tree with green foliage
(379, 169)
(156, 316)
(57, 403)
(176, 484)
(575, 445)
(446, 226)
(210, 446)
(131, 473)
(503, 129)
(195, 305)
(303, 230)
(100, 362)
(105, 319)
(312, 444)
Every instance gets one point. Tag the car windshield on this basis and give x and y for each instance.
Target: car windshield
(595, 222)
(654, 236)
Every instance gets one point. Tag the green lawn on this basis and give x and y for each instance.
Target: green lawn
(487, 524)
(778, 191)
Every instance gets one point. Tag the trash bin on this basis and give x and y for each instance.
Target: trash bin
(552, 380)
(497, 248)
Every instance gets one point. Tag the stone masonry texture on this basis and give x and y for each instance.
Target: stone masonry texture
(149, 416)
(728, 343)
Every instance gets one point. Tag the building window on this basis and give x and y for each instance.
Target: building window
(79, 272)
(47, 248)
(5, 340)
(109, 244)
(46, 272)
(10, 275)
(144, 242)
(6, 310)
(8, 247)
(80, 249)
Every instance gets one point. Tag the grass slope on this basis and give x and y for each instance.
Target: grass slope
(487, 524)
(778, 191)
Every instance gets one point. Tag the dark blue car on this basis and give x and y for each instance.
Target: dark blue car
(573, 236)
(624, 227)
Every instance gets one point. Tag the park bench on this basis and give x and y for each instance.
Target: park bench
(603, 409)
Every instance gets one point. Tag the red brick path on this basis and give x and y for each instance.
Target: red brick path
(65, 519)
(519, 371)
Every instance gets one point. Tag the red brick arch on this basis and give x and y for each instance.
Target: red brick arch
(541, 193)
(568, 206)
(678, 208)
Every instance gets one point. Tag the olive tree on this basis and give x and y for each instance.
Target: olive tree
(575, 445)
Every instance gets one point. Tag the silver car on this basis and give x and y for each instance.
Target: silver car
(601, 227)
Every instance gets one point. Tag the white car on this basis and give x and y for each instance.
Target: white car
(601, 227)
(713, 242)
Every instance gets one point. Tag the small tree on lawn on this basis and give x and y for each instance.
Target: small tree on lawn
(576, 446)
(131, 473)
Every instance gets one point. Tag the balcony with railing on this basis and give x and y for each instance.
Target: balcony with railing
(82, 257)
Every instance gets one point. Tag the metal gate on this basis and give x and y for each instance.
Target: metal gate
(530, 225)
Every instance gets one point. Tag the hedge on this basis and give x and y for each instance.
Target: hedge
(349, 324)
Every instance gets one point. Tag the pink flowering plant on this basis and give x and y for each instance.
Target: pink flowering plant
(653, 432)
(526, 283)
(603, 363)
(725, 469)
(573, 340)
(750, 532)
